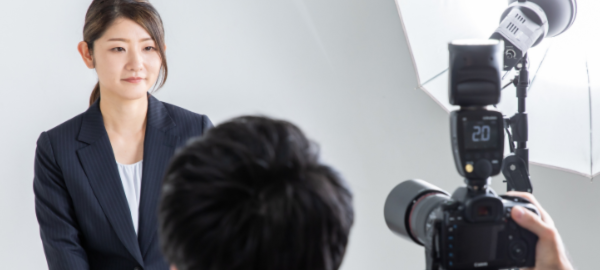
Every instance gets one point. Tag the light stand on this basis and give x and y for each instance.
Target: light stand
(516, 166)
(524, 24)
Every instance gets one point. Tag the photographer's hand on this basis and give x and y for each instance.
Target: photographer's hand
(550, 251)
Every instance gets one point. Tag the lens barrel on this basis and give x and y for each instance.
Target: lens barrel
(409, 204)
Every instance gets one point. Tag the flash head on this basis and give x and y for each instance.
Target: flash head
(561, 14)
(474, 74)
(525, 23)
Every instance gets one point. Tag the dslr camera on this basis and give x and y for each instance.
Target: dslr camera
(472, 228)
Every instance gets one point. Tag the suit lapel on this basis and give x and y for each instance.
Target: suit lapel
(158, 149)
(99, 164)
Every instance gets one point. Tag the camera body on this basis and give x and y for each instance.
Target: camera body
(480, 234)
(468, 230)
(472, 229)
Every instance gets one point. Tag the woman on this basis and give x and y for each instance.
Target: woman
(98, 176)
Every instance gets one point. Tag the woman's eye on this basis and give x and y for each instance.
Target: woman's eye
(119, 49)
(149, 48)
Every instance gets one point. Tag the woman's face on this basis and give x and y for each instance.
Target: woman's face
(126, 60)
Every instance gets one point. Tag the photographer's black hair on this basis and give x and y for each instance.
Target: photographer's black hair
(251, 194)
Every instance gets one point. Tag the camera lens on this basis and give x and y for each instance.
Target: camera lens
(408, 206)
(518, 250)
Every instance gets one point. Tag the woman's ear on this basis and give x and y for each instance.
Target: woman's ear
(86, 55)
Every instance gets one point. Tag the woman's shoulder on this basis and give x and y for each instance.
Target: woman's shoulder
(68, 128)
(178, 113)
(188, 124)
(62, 138)
(184, 116)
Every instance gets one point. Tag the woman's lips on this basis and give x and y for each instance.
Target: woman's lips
(133, 79)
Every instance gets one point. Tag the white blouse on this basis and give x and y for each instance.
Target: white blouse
(131, 177)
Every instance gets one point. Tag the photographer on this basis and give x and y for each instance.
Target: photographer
(550, 251)
(251, 194)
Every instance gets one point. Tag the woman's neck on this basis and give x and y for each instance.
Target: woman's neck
(124, 116)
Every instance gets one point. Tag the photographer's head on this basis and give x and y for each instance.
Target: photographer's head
(251, 194)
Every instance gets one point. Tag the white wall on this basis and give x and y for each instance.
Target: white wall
(340, 69)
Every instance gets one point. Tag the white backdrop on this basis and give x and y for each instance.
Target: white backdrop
(340, 69)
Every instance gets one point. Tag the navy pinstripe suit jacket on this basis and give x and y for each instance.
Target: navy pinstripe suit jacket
(84, 218)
